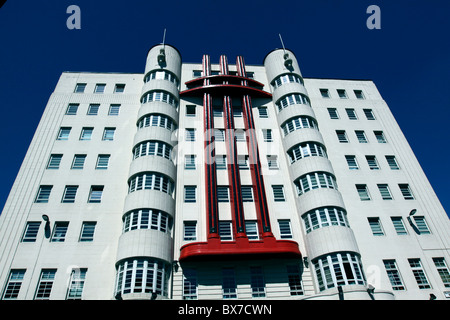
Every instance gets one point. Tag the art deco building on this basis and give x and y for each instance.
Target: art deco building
(221, 180)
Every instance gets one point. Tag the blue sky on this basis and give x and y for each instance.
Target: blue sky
(408, 58)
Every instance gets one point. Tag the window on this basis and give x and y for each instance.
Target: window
(147, 219)
(190, 134)
(221, 162)
(369, 114)
(392, 162)
(239, 134)
(247, 193)
(63, 133)
(43, 194)
(324, 93)
(324, 217)
(160, 96)
(78, 161)
(190, 231)
(406, 191)
(363, 192)
(267, 134)
(219, 134)
(13, 284)
(342, 136)
(359, 94)
(243, 162)
(95, 195)
(372, 162)
(161, 75)
(59, 231)
(361, 136)
(421, 225)
(153, 148)
(189, 161)
(190, 193)
(251, 229)
(76, 284)
(189, 284)
(228, 283)
(419, 273)
(54, 161)
(196, 74)
(380, 136)
(298, 123)
(399, 226)
(87, 231)
(151, 181)
(114, 110)
(291, 99)
(394, 275)
(352, 163)
(31, 231)
(108, 134)
(72, 109)
(237, 112)
(278, 193)
(333, 113)
(375, 226)
(69, 194)
(294, 280)
(217, 111)
(384, 191)
(286, 78)
(285, 228)
(102, 162)
(190, 110)
(272, 162)
(351, 113)
(99, 88)
(93, 109)
(157, 120)
(341, 93)
(119, 88)
(314, 180)
(443, 271)
(263, 112)
(306, 149)
(80, 87)
(45, 284)
(86, 133)
(257, 282)
(225, 231)
(223, 194)
(338, 269)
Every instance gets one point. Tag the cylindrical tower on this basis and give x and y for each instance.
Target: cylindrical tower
(144, 255)
(330, 243)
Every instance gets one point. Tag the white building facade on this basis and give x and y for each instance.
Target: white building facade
(220, 180)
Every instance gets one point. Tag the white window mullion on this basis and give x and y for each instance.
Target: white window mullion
(330, 265)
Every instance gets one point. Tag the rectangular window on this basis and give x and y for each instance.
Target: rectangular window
(369, 114)
(359, 94)
(228, 283)
(223, 194)
(54, 161)
(399, 225)
(31, 231)
(257, 282)
(102, 162)
(294, 280)
(263, 112)
(80, 87)
(190, 231)
(87, 231)
(361, 136)
(14, 284)
(272, 162)
(86, 133)
(375, 226)
(45, 284)
(95, 195)
(363, 192)
(351, 113)
(119, 88)
(78, 161)
(219, 134)
(64, 133)
(43, 194)
(278, 193)
(72, 109)
(237, 112)
(69, 195)
(189, 161)
(76, 284)
(93, 109)
(190, 134)
(189, 284)
(190, 110)
(421, 225)
(372, 162)
(239, 135)
(225, 231)
(379, 135)
(243, 162)
(406, 191)
(419, 273)
(392, 162)
(341, 93)
(443, 271)
(251, 229)
(267, 133)
(324, 93)
(352, 163)
(333, 113)
(190, 193)
(100, 88)
(221, 162)
(285, 228)
(59, 231)
(394, 275)
(108, 134)
(342, 137)
(384, 191)
(247, 193)
(217, 111)
(114, 110)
